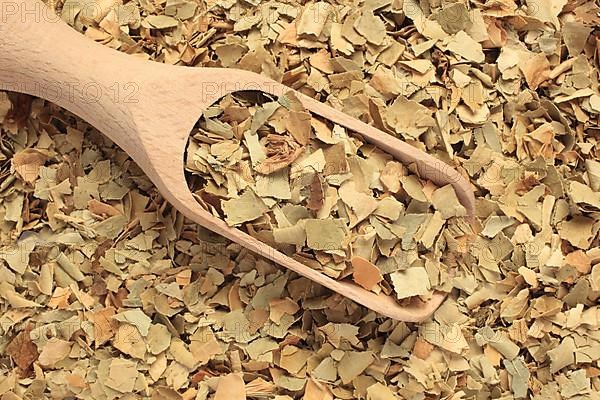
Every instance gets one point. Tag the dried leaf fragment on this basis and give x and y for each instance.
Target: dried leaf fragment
(105, 326)
(122, 375)
(371, 28)
(446, 202)
(15, 299)
(54, 351)
(129, 341)
(536, 70)
(411, 282)
(231, 387)
(298, 124)
(281, 152)
(366, 274)
(520, 377)
(326, 234)
(137, 318)
(454, 18)
(464, 45)
(313, 19)
(449, 337)
(22, 350)
(246, 208)
(562, 355)
(409, 117)
(160, 22)
(390, 176)
(378, 391)
(27, 164)
(353, 363)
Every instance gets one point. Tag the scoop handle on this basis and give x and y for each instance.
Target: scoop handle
(42, 56)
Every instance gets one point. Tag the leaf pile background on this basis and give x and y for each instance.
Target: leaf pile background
(107, 292)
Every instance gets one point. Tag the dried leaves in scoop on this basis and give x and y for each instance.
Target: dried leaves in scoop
(321, 195)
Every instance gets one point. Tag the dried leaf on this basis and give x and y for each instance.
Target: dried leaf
(22, 350)
(365, 273)
(137, 318)
(463, 45)
(54, 351)
(231, 387)
(160, 22)
(412, 282)
(536, 70)
(562, 355)
(27, 164)
(313, 19)
(371, 28)
(247, 207)
(408, 117)
(353, 363)
(325, 234)
(122, 375)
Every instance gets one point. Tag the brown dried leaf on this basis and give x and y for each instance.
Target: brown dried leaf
(27, 164)
(365, 273)
(54, 351)
(22, 350)
(231, 387)
(536, 70)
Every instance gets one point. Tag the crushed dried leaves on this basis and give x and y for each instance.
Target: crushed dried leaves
(325, 198)
(107, 292)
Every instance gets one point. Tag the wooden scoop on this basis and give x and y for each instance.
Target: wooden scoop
(149, 110)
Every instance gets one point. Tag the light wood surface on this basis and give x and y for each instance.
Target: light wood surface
(149, 110)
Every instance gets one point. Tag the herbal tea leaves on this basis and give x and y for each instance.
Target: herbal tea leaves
(522, 124)
(340, 188)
